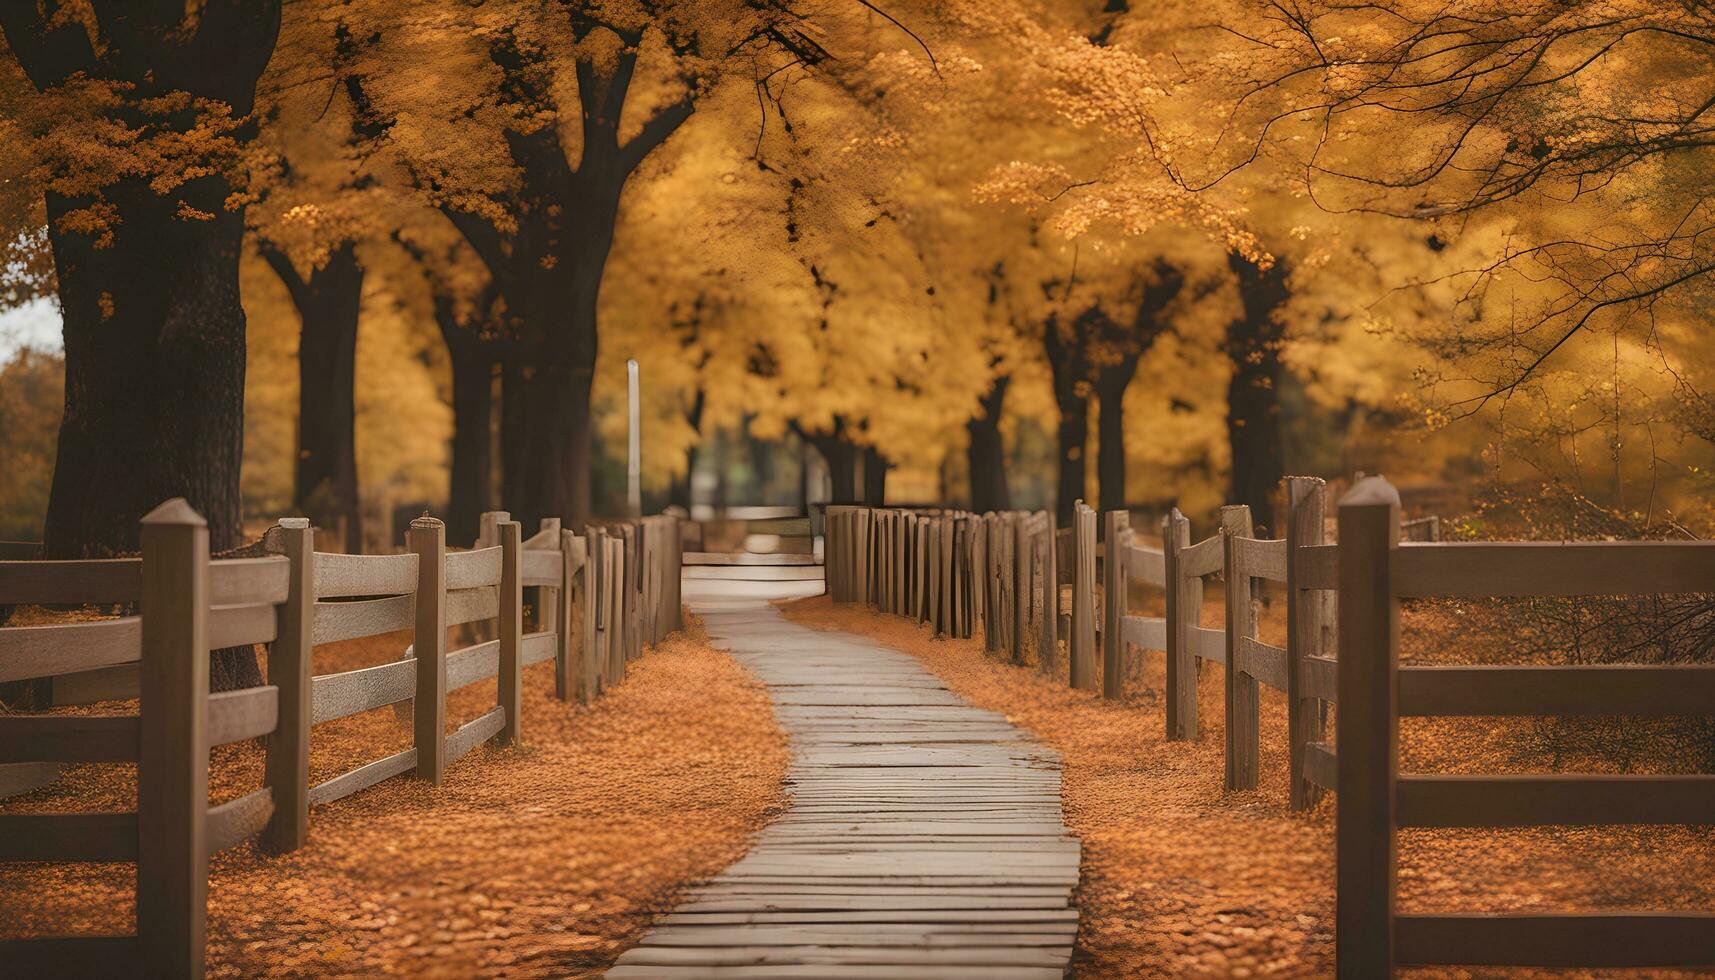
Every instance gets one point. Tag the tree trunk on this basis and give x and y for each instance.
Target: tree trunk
(554, 448)
(986, 453)
(512, 418)
(1070, 370)
(470, 475)
(1111, 385)
(1253, 394)
(841, 455)
(328, 302)
(154, 331)
(875, 467)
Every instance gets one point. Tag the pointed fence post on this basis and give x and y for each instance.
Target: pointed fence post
(429, 706)
(594, 654)
(1021, 599)
(569, 674)
(1184, 608)
(172, 747)
(287, 760)
(1367, 733)
(1081, 640)
(1242, 697)
(1307, 627)
(1047, 545)
(511, 625)
(1118, 535)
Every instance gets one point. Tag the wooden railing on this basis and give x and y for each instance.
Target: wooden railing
(1369, 571)
(622, 581)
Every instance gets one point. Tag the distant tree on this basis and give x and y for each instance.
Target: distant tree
(32, 387)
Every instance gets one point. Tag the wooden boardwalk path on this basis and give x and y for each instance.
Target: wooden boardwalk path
(924, 838)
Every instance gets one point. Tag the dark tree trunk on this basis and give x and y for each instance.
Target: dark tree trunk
(875, 467)
(1070, 369)
(841, 455)
(328, 302)
(1111, 385)
(986, 454)
(471, 472)
(679, 494)
(1253, 394)
(512, 413)
(154, 331)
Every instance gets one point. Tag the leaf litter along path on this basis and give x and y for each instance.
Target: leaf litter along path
(924, 840)
(545, 861)
(1181, 879)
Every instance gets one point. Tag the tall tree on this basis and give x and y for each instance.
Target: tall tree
(145, 119)
(1116, 361)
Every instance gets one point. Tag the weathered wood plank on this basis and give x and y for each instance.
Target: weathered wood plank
(341, 576)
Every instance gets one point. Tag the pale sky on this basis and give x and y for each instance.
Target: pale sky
(34, 324)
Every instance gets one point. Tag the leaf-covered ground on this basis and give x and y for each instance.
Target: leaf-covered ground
(1180, 879)
(548, 860)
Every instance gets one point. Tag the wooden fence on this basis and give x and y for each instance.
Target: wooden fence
(601, 597)
(1342, 646)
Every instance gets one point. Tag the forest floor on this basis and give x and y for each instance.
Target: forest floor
(1181, 879)
(548, 860)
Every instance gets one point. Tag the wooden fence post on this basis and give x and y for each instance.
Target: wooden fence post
(1184, 608)
(1021, 563)
(1367, 734)
(594, 653)
(429, 707)
(1118, 532)
(1081, 641)
(1242, 697)
(1048, 657)
(1306, 631)
(547, 600)
(570, 675)
(632, 631)
(511, 624)
(172, 748)
(287, 761)
(615, 621)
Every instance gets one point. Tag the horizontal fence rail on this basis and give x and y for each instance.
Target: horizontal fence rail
(598, 600)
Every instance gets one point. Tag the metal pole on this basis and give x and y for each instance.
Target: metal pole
(634, 464)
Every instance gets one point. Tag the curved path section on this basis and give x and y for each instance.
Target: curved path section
(924, 838)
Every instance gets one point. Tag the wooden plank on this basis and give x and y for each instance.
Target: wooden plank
(1317, 566)
(1184, 605)
(471, 605)
(87, 957)
(1263, 558)
(364, 776)
(61, 648)
(1309, 634)
(1554, 800)
(1321, 767)
(473, 569)
(342, 576)
(68, 738)
(1147, 632)
(1202, 558)
(1209, 644)
(352, 691)
(352, 620)
(237, 715)
(102, 581)
(541, 567)
(510, 665)
(68, 837)
(1114, 602)
(428, 540)
(1535, 568)
(1147, 565)
(539, 647)
(1601, 940)
(172, 763)
(235, 821)
(26, 777)
(1263, 661)
(1082, 646)
(1242, 735)
(115, 683)
(286, 770)
(1367, 732)
(1613, 689)
(475, 732)
(1320, 677)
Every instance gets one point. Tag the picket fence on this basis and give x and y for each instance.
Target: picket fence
(602, 596)
(998, 572)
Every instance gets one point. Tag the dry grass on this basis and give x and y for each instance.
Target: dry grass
(1182, 879)
(548, 860)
